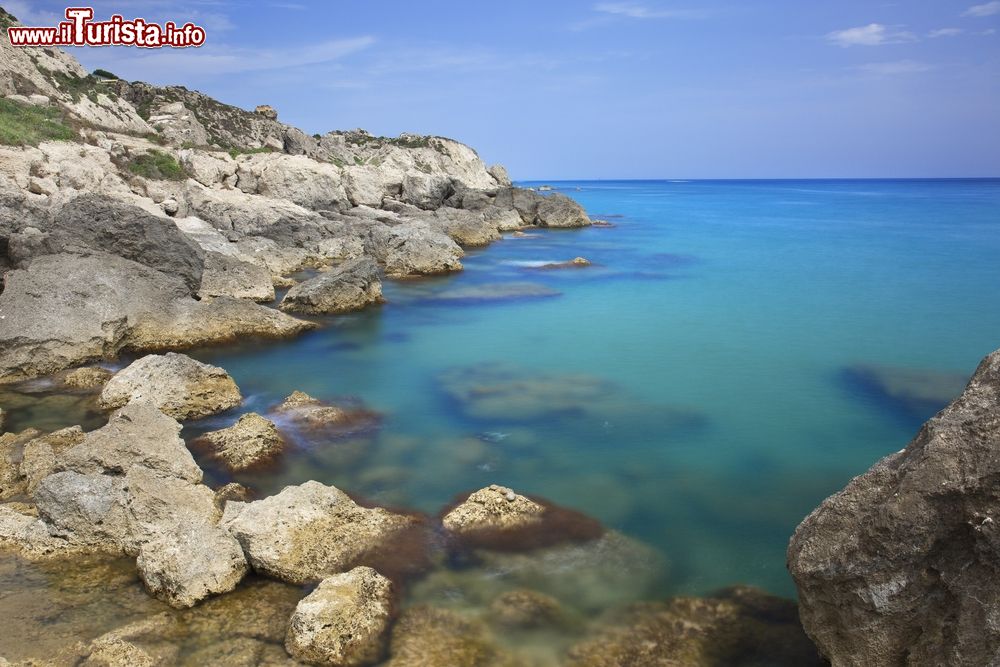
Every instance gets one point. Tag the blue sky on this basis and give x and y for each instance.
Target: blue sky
(644, 89)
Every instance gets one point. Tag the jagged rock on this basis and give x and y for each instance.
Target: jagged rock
(310, 531)
(87, 510)
(136, 435)
(311, 414)
(184, 566)
(503, 219)
(251, 442)
(293, 178)
(267, 111)
(177, 384)
(41, 455)
(427, 636)
(178, 125)
(93, 222)
(12, 482)
(209, 169)
(88, 377)
(426, 191)
(557, 210)
(737, 626)
(344, 621)
(29, 536)
(225, 275)
(901, 565)
(499, 174)
(363, 186)
(413, 250)
(232, 491)
(466, 228)
(349, 286)
(255, 214)
(496, 517)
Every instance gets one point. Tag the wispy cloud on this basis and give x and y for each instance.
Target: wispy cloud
(897, 67)
(945, 32)
(873, 34)
(634, 10)
(986, 9)
(27, 14)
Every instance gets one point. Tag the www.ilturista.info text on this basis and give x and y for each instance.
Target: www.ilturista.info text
(80, 30)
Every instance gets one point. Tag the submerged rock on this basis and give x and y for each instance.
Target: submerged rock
(310, 531)
(344, 621)
(525, 608)
(427, 636)
(917, 392)
(496, 517)
(88, 377)
(251, 442)
(495, 292)
(185, 565)
(734, 627)
(344, 288)
(575, 263)
(177, 384)
(901, 565)
(311, 414)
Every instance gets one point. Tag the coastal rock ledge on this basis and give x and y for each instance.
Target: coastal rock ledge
(903, 565)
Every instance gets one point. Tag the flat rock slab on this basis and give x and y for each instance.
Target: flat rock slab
(347, 287)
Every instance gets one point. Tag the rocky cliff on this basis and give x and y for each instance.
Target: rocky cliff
(135, 217)
(903, 565)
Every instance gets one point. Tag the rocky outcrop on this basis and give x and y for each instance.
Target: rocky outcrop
(225, 275)
(901, 567)
(344, 288)
(310, 531)
(413, 250)
(251, 442)
(189, 563)
(736, 626)
(312, 415)
(177, 384)
(496, 517)
(343, 622)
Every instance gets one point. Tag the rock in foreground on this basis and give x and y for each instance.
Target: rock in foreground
(350, 286)
(251, 442)
(309, 532)
(180, 386)
(901, 567)
(343, 622)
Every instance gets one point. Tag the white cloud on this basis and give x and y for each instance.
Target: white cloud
(945, 32)
(873, 34)
(634, 10)
(987, 9)
(897, 67)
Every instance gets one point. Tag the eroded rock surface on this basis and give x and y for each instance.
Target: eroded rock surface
(251, 442)
(344, 288)
(900, 567)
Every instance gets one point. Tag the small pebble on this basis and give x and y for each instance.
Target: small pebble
(510, 496)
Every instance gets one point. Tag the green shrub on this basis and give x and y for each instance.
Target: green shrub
(157, 165)
(105, 74)
(233, 152)
(28, 125)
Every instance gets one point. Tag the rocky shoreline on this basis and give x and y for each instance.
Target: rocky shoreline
(164, 221)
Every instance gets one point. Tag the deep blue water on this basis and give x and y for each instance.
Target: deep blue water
(688, 389)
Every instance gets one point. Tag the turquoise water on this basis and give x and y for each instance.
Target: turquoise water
(689, 388)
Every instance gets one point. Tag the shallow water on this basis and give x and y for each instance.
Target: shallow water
(711, 411)
(696, 388)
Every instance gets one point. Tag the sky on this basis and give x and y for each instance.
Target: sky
(598, 90)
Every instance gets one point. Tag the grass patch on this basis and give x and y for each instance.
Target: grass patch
(157, 165)
(104, 74)
(337, 161)
(233, 152)
(28, 125)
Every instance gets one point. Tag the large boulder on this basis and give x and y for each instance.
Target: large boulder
(251, 442)
(41, 455)
(346, 287)
(308, 532)
(189, 563)
(426, 191)
(413, 249)
(312, 415)
(230, 276)
(558, 210)
(177, 384)
(93, 222)
(343, 622)
(903, 565)
(293, 178)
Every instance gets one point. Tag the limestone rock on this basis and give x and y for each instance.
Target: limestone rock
(525, 608)
(413, 250)
(426, 191)
(41, 455)
(310, 531)
(499, 174)
(901, 565)
(267, 111)
(311, 414)
(12, 481)
(177, 384)
(87, 510)
(88, 377)
(251, 442)
(558, 210)
(494, 508)
(190, 563)
(29, 536)
(178, 125)
(349, 286)
(428, 636)
(344, 621)
(225, 275)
